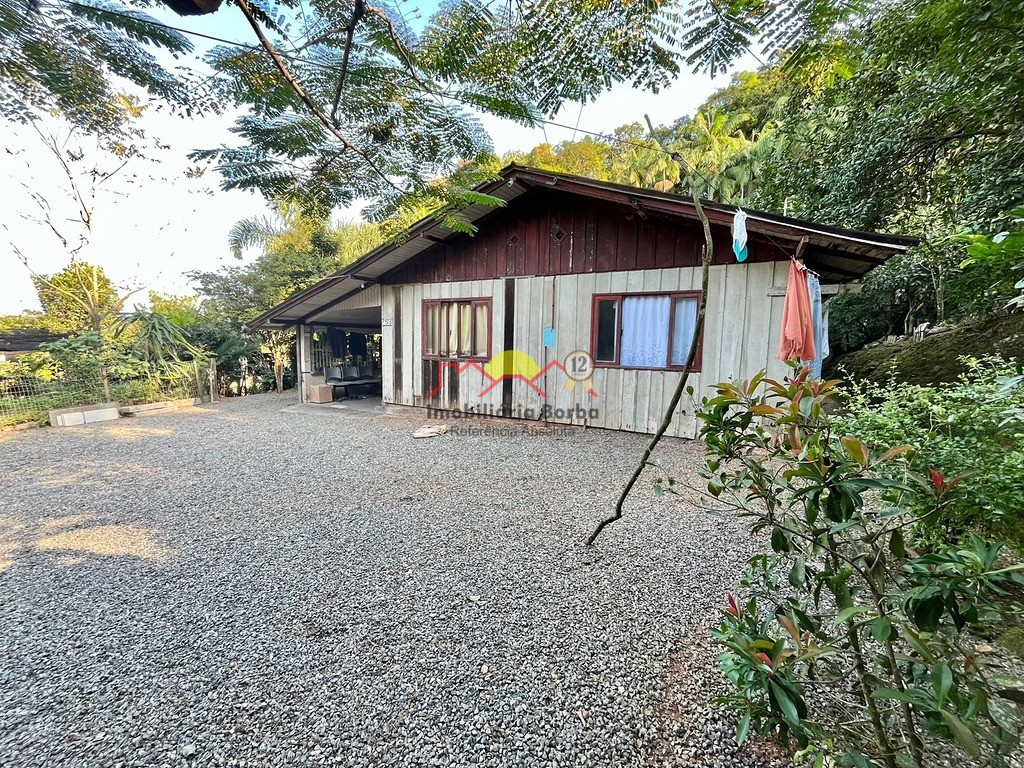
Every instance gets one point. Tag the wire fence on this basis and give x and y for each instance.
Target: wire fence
(27, 400)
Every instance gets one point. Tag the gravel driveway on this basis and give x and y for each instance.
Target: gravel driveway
(241, 584)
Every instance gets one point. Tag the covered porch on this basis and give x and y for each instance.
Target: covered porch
(338, 343)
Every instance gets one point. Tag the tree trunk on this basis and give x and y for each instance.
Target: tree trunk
(105, 383)
(279, 373)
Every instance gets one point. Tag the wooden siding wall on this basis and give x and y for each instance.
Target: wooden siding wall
(741, 336)
(409, 378)
(366, 298)
(557, 234)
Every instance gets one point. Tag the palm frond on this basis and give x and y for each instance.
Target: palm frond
(249, 233)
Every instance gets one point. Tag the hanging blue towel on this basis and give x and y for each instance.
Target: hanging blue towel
(820, 327)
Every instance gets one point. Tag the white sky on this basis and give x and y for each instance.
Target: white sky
(151, 224)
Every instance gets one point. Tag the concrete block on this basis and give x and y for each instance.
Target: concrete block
(102, 414)
(68, 419)
(84, 414)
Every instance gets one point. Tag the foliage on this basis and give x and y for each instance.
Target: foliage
(716, 34)
(146, 358)
(587, 157)
(963, 429)
(866, 657)
(930, 143)
(79, 358)
(71, 58)
(297, 232)
(26, 321)
(183, 311)
(992, 278)
(299, 248)
(726, 163)
(906, 122)
(157, 340)
(78, 298)
(369, 109)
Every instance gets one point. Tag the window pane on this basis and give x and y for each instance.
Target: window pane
(444, 332)
(465, 332)
(645, 331)
(430, 319)
(481, 329)
(683, 328)
(607, 329)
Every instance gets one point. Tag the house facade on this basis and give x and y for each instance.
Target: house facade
(574, 303)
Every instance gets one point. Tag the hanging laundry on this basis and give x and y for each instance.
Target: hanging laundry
(336, 342)
(797, 342)
(817, 320)
(357, 344)
(739, 235)
(823, 349)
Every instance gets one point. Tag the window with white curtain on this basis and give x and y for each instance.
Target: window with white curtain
(457, 329)
(651, 330)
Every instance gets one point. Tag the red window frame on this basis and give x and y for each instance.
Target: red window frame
(473, 302)
(673, 295)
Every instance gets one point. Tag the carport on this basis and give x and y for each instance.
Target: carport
(337, 322)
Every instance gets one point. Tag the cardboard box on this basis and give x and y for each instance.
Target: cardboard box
(320, 393)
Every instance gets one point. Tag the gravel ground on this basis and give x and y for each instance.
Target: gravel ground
(244, 585)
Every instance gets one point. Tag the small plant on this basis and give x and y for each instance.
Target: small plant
(849, 644)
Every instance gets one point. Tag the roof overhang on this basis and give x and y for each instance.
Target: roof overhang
(839, 255)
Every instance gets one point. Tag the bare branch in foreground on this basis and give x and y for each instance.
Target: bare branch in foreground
(670, 412)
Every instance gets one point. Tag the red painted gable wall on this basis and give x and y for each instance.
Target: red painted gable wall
(549, 233)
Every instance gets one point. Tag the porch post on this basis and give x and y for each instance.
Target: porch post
(302, 354)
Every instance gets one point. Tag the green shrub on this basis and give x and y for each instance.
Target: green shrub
(970, 428)
(847, 642)
(135, 391)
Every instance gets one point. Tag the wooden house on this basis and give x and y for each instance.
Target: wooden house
(573, 303)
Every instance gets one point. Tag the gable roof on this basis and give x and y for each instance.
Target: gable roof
(838, 254)
(26, 339)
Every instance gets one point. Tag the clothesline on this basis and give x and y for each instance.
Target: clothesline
(739, 245)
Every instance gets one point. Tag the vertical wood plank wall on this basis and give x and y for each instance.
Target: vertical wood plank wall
(741, 336)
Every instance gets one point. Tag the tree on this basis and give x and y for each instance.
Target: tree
(298, 249)
(79, 298)
(726, 163)
(904, 121)
(156, 340)
(588, 157)
(183, 311)
(291, 230)
(69, 58)
(345, 102)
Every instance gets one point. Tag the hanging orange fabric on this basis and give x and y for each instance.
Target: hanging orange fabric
(797, 341)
